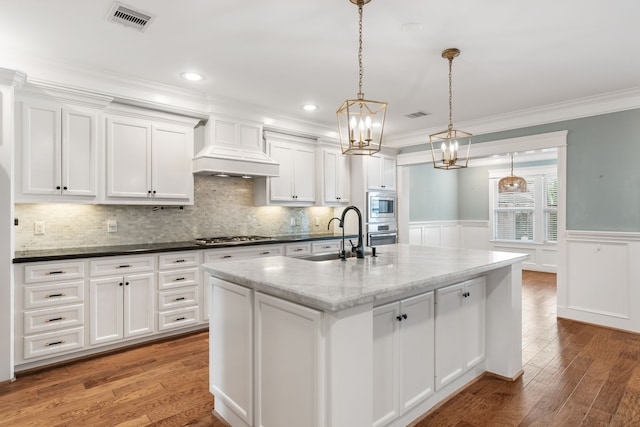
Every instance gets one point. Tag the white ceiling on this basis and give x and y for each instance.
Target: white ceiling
(281, 54)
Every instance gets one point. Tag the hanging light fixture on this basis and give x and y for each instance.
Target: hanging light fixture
(361, 121)
(449, 141)
(512, 183)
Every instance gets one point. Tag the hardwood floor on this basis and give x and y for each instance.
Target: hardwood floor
(575, 374)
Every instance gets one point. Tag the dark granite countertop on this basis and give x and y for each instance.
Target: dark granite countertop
(149, 248)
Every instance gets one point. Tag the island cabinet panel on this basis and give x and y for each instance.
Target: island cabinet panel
(403, 356)
(288, 387)
(231, 351)
(459, 329)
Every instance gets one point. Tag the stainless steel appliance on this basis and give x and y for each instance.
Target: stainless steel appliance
(381, 206)
(230, 240)
(384, 233)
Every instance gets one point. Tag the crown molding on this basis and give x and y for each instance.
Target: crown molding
(15, 78)
(610, 102)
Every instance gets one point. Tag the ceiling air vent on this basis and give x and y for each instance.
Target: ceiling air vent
(417, 114)
(129, 17)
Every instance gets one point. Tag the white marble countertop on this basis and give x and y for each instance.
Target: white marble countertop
(336, 285)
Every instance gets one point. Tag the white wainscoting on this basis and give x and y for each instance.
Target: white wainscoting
(475, 235)
(602, 283)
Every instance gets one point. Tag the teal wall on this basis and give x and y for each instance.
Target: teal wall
(433, 194)
(603, 178)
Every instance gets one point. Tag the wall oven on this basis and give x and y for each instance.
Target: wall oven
(381, 206)
(382, 234)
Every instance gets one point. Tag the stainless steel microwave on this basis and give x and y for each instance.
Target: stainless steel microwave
(381, 206)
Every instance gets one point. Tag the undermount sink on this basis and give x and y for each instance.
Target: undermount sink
(330, 257)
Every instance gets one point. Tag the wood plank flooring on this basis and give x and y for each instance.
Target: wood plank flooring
(575, 374)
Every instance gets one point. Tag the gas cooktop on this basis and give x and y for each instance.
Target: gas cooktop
(226, 240)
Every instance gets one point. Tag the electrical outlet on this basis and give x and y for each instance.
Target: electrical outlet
(293, 222)
(112, 226)
(297, 221)
(39, 228)
(316, 220)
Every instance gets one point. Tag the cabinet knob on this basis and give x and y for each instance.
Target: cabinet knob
(404, 316)
(126, 283)
(64, 188)
(120, 284)
(154, 191)
(149, 192)
(57, 187)
(399, 318)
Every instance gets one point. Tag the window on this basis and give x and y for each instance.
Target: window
(528, 217)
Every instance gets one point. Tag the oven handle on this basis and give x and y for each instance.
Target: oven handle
(382, 234)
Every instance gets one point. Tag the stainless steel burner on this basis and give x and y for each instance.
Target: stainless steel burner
(226, 240)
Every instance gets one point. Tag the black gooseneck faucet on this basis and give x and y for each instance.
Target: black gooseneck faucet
(359, 248)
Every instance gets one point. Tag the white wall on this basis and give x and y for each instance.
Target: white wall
(8, 81)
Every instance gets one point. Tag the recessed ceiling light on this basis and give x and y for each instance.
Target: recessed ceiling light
(193, 77)
(309, 107)
(222, 175)
(412, 28)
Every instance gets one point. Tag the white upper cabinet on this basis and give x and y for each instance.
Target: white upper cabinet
(381, 172)
(57, 153)
(336, 178)
(295, 186)
(148, 162)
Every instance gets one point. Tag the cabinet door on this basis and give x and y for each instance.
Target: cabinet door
(474, 311)
(138, 304)
(41, 148)
(388, 173)
(330, 176)
(385, 364)
(128, 158)
(231, 347)
(343, 169)
(171, 162)
(287, 374)
(416, 345)
(282, 186)
(106, 309)
(304, 175)
(450, 334)
(79, 152)
(374, 172)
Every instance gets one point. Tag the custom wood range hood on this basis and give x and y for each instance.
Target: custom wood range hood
(234, 148)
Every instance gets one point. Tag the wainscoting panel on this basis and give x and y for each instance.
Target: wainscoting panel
(603, 279)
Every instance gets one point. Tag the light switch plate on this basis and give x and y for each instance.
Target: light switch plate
(39, 228)
(112, 226)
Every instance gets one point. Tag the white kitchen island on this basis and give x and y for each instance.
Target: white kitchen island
(362, 342)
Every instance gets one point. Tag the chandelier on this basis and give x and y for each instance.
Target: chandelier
(449, 140)
(361, 121)
(512, 183)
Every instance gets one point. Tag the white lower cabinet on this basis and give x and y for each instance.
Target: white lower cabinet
(460, 329)
(121, 307)
(403, 356)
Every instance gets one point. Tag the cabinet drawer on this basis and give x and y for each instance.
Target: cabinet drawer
(296, 249)
(178, 278)
(121, 265)
(258, 251)
(177, 318)
(37, 321)
(54, 294)
(53, 342)
(53, 272)
(169, 300)
(326, 246)
(176, 260)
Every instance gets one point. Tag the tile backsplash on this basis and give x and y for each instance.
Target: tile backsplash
(223, 206)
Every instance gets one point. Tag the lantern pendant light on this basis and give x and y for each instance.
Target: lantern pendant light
(449, 141)
(512, 183)
(361, 121)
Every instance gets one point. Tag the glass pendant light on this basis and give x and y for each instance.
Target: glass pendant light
(361, 121)
(512, 183)
(450, 140)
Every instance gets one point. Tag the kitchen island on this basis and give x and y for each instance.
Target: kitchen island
(360, 342)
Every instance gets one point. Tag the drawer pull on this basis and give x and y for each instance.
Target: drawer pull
(180, 318)
(179, 299)
(298, 250)
(177, 279)
(49, 344)
(124, 266)
(48, 273)
(226, 256)
(326, 247)
(265, 253)
(56, 295)
(55, 319)
(180, 260)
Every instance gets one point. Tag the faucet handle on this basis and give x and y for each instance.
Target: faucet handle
(353, 247)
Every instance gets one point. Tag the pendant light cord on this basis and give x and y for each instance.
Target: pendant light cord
(450, 96)
(360, 94)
